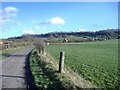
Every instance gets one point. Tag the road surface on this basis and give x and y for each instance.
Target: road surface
(15, 71)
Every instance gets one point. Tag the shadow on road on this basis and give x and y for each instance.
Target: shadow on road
(12, 76)
(28, 75)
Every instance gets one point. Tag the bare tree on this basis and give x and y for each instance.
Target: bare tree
(39, 44)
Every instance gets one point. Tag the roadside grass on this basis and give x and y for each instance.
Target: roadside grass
(45, 76)
(9, 52)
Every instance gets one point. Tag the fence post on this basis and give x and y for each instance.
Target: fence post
(61, 61)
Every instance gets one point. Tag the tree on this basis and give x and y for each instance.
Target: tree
(40, 45)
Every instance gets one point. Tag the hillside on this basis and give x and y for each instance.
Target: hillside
(106, 34)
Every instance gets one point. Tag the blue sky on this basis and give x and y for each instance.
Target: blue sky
(42, 17)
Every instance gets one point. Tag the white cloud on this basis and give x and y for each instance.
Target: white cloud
(56, 20)
(9, 15)
(9, 21)
(39, 28)
(3, 21)
(82, 30)
(28, 31)
(9, 12)
(12, 15)
(11, 9)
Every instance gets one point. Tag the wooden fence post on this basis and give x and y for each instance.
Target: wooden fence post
(61, 61)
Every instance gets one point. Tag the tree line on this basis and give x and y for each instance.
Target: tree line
(104, 34)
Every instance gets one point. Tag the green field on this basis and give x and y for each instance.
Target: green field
(95, 61)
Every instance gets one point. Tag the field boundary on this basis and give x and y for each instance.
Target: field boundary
(76, 79)
(45, 77)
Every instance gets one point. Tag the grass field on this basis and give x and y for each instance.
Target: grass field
(95, 61)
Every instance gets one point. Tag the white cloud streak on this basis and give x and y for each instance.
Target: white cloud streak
(7, 14)
(28, 31)
(54, 20)
(82, 30)
(11, 9)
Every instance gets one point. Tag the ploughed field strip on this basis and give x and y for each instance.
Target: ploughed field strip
(97, 61)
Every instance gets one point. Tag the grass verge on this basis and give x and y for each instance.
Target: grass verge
(45, 76)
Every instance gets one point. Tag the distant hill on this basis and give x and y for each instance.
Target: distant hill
(106, 34)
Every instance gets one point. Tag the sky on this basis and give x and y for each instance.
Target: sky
(20, 18)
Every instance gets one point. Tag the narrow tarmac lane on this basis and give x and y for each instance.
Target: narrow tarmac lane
(14, 70)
